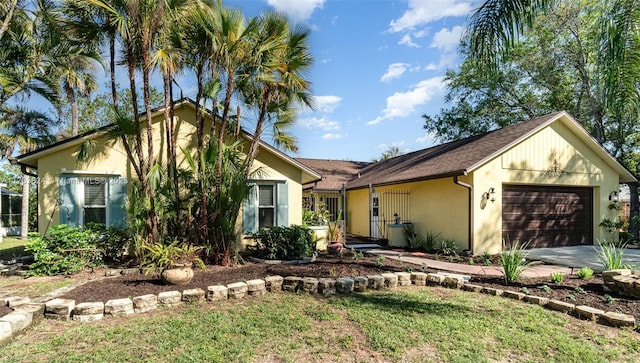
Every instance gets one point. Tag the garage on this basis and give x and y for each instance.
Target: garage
(548, 216)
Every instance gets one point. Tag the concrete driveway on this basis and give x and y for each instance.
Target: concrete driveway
(579, 256)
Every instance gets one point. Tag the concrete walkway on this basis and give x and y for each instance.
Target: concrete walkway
(579, 256)
(494, 271)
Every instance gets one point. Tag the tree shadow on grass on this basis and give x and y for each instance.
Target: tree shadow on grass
(402, 302)
(11, 253)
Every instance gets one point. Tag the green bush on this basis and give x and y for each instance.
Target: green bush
(514, 260)
(584, 273)
(448, 247)
(557, 277)
(611, 255)
(68, 250)
(283, 243)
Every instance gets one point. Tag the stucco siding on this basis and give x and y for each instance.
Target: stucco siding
(529, 163)
(436, 206)
(110, 157)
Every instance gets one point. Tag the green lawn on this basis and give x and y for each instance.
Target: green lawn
(413, 324)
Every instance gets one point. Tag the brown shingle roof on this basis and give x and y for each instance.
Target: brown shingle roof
(450, 159)
(334, 173)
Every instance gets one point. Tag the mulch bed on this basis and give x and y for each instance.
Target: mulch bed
(588, 292)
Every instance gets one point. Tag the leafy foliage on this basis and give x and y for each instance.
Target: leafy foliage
(70, 249)
(557, 277)
(160, 255)
(585, 273)
(283, 243)
(514, 260)
(611, 256)
(448, 247)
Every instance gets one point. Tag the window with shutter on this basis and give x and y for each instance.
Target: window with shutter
(266, 206)
(95, 200)
(90, 199)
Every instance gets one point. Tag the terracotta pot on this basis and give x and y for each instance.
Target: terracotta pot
(335, 247)
(177, 274)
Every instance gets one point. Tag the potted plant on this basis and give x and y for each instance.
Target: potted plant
(174, 261)
(335, 236)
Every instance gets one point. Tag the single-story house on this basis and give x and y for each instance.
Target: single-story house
(546, 181)
(77, 192)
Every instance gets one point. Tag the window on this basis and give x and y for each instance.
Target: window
(97, 199)
(266, 206)
(332, 206)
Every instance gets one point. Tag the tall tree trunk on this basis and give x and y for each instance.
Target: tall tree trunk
(152, 220)
(112, 68)
(71, 96)
(634, 212)
(24, 224)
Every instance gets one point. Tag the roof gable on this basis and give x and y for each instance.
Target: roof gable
(463, 156)
(30, 158)
(335, 173)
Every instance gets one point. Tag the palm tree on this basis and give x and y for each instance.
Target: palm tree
(74, 68)
(274, 83)
(24, 46)
(23, 130)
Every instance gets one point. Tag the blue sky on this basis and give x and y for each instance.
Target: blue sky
(379, 65)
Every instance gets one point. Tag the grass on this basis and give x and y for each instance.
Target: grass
(413, 324)
(11, 247)
(32, 287)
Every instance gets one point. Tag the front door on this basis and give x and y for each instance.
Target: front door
(375, 230)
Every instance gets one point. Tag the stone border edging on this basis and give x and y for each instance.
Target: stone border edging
(27, 313)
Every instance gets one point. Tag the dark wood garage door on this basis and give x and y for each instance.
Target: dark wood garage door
(547, 216)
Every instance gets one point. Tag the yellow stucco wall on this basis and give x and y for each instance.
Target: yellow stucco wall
(440, 206)
(435, 206)
(525, 164)
(111, 158)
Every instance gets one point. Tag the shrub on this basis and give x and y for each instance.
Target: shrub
(514, 260)
(448, 247)
(557, 277)
(416, 241)
(611, 256)
(112, 241)
(64, 250)
(283, 243)
(585, 273)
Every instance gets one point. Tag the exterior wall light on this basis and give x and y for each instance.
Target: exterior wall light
(490, 195)
(614, 196)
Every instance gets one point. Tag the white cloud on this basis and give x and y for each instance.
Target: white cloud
(447, 40)
(394, 71)
(402, 104)
(422, 12)
(331, 136)
(406, 40)
(426, 138)
(327, 103)
(298, 10)
(319, 123)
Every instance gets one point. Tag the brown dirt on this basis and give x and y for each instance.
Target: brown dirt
(103, 289)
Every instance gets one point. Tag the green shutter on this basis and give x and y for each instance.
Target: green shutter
(117, 202)
(69, 202)
(282, 205)
(249, 221)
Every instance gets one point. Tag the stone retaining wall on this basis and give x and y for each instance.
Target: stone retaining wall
(27, 313)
